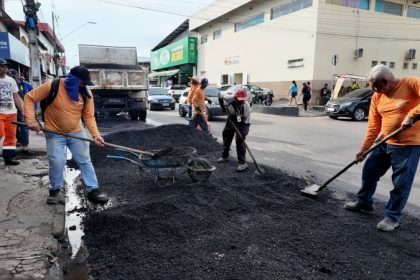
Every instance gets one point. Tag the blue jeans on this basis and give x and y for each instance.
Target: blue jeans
(57, 159)
(404, 161)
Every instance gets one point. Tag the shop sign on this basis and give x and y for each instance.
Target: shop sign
(183, 51)
(12, 48)
(231, 60)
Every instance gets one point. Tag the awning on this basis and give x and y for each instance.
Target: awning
(164, 73)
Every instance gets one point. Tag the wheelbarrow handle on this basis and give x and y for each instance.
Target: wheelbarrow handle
(89, 140)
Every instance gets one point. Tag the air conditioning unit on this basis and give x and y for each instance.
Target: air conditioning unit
(358, 53)
(411, 54)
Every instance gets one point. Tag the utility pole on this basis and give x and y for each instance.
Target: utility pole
(30, 9)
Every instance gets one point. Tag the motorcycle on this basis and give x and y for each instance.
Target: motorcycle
(263, 98)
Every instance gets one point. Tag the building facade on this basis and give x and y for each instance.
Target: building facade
(174, 59)
(272, 42)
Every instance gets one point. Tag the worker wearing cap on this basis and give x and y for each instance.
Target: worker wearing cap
(195, 83)
(199, 107)
(239, 112)
(9, 100)
(73, 102)
(22, 132)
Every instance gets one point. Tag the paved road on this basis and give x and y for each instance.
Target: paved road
(312, 147)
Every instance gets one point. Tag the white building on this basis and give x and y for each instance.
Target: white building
(272, 42)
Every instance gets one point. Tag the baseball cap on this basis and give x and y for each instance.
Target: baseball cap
(4, 62)
(195, 79)
(83, 74)
(13, 73)
(241, 94)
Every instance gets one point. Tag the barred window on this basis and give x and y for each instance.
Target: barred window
(388, 7)
(359, 4)
(290, 7)
(249, 22)
(413, 12)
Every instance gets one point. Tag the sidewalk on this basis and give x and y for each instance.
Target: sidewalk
(282, 107)
(30, 229)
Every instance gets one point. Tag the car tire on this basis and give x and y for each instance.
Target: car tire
(134, 114)
(333, 117)
(181, 111)
(359, 114)
(143, 114)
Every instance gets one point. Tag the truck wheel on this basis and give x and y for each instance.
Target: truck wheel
(143, 114)
(134, 114)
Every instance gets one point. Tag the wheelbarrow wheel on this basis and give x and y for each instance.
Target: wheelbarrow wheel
(200, 169)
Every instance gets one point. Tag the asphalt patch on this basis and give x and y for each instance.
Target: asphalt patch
(233, 226)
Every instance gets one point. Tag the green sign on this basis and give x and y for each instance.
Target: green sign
(181, 52)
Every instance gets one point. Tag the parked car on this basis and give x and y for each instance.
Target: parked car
(354, 104)
(224, 87)
(159, 98)
(176, 91)
(213, 107)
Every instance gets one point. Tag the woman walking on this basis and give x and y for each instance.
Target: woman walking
(306, 92)
(293, 92)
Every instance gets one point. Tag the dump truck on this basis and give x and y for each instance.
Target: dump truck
(120, 83)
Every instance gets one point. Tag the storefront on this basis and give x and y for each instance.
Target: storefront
(15, 52)
(174, 63)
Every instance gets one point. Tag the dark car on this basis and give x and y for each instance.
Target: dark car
(213, 106)
(354, 104)
(160, 99)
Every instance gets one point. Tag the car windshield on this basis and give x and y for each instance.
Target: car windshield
(211, 92)
(179, 87)
(359, 93)
(157, 91)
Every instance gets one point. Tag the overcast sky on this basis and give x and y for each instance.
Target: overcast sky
(118, 22)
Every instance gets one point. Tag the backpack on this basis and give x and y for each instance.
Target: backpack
(52, 95)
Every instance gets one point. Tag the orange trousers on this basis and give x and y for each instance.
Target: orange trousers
(8, 130)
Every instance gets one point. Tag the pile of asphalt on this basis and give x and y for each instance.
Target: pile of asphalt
(234, 226)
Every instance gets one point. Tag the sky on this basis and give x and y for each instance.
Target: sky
(138, 23)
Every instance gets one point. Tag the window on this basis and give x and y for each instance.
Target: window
(217, 34)
(405, 65)
(383, 62)
(249, 22)
(414, 67)
(388, 7)
(392, 65)
(203, 39)
(374, 63)
(295, 63)
(413, 12)
(360, 4)
(290, 7)
(225, 79)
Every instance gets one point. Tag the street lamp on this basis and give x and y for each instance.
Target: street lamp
(84, 24)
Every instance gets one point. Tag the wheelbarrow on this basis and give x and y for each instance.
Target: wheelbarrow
(166, 168)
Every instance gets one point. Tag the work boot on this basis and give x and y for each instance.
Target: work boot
(242, 167)
(56, 197)
(97, 196)
(357, 207)
(387, 224)
(223, 159)
(11, 161)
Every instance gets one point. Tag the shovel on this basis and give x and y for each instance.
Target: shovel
(259, 169)
(153, 155)
(314, 189)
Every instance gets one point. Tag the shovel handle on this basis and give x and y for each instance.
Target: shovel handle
(89, 140)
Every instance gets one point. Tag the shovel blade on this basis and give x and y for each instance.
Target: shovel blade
(311, 190)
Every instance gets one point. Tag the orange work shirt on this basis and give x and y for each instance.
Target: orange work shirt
(63, 114)
(386, 114)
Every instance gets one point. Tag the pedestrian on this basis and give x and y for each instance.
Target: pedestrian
(354, 86)
(306, 96)
(199, 109)
(195, 82)
(325, 94)
(9, 100)
(239, 112)
(293, 92)
(22, 132)
(395, 104)
(73, 102)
